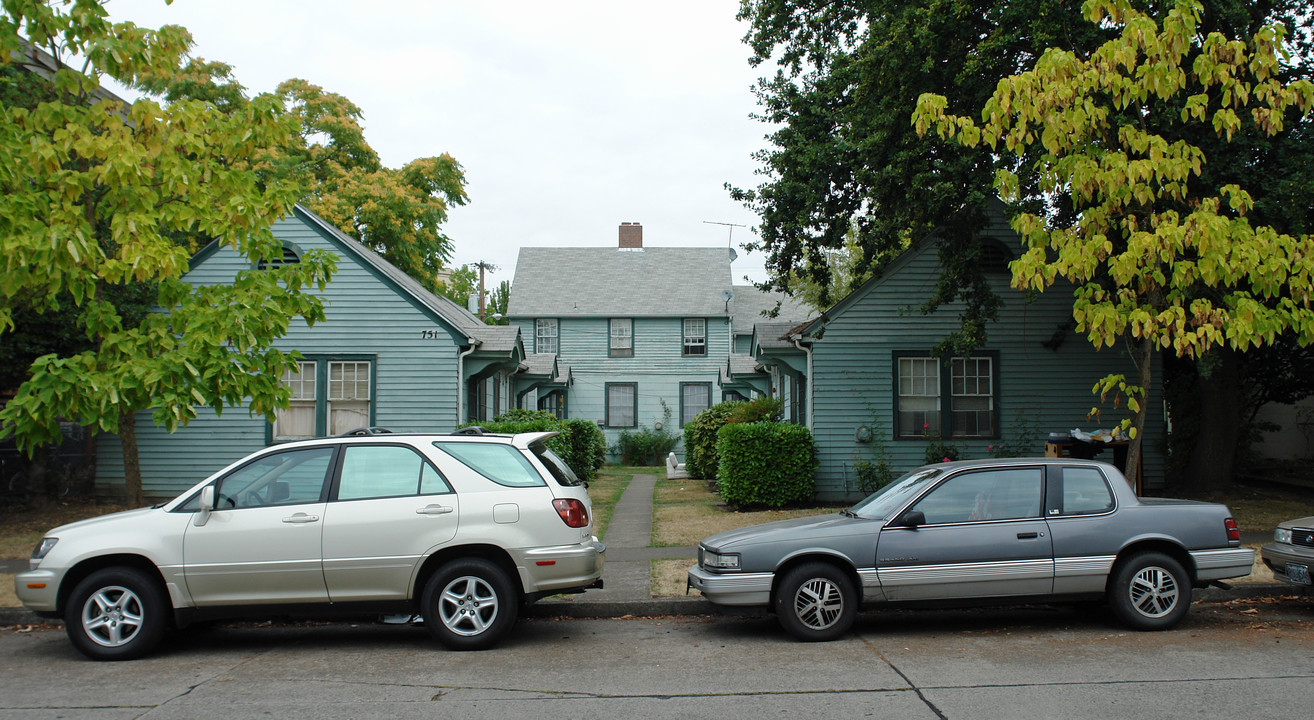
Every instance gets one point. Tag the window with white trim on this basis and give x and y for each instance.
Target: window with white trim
(328, 397)
(694, 398)
(621, 337)
(937, 399)
(545, 335)
(298, 420)
(695, 336)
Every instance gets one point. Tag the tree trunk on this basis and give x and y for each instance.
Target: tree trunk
(131, 465)
(1220, 403)
(1143, 355)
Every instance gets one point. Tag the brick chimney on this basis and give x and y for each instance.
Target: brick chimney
(631, 236)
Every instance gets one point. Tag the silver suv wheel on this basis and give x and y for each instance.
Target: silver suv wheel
(468, 605)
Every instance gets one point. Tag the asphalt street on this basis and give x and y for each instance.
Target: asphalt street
(1248, 659)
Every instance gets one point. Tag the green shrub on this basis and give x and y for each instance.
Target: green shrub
(872, 476)
(700, 458)
(765, 463)
(579, 443)
(762, 408)
(646, 446)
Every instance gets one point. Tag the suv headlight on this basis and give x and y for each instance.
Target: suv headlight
(728, 561)
(43, 547)
(1282, 535)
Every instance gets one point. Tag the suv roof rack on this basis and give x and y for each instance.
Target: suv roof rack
(369, 430)
(472, 430)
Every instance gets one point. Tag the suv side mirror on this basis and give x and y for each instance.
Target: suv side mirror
(911, 518)
(207, 504)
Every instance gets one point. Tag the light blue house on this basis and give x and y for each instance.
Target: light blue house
(868, 379)
(390, 353)
(641, 330)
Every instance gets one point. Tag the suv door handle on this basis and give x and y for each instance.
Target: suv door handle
(434, 510)
(301, 518)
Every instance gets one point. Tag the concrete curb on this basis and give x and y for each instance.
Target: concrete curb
(697, 606)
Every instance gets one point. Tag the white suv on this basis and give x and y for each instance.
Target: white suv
(459, 529)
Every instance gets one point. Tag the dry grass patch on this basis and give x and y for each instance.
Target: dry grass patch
(606, 493)
(7, 597)
(683, 491)
(681, 525)
(670, 578)
(602, 519)
(22, 528)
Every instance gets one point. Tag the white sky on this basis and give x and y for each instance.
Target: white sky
(569, 117)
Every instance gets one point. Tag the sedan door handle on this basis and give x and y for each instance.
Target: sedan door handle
(299, 518)
(1027, 536)
(434, 510)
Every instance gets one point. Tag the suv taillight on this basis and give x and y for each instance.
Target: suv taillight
(1233, 532)
(572, 512)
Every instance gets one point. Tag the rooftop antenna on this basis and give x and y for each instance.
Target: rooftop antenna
(732, 227)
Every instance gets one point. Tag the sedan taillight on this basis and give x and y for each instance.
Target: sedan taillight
(572, 512)
(1233, 532)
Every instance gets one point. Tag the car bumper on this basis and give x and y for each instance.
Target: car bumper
(1222, 564)
(561, 567)
(1277, 556)
(732, 589)
(38, 590)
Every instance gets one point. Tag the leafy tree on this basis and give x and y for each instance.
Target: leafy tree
(1164, 254)
(463, 282)
(846, 162)
(100, 200)
(497, 301)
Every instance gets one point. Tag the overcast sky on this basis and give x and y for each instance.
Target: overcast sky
(568, 117)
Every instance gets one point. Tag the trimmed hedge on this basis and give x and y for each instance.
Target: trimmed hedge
(700, 458)
(766, 463)
(580, 444)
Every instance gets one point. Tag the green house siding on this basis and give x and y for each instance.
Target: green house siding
(1038, 391)
(413, 355)
(657, 368)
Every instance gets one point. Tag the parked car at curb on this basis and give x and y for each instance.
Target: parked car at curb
(460, 529)
(988, 531)
(1291, 554)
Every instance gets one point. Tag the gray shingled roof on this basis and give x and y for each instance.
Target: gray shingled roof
(770, 334)
(609, 282)
(749, 303)
(742, 364)
(460, 318)
(539, 363)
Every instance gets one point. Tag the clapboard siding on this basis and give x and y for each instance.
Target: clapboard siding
(1039, 389)
(658, 366)
(366, 317)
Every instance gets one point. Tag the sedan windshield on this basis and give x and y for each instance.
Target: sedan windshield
(890, 498)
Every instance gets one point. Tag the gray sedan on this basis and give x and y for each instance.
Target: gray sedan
(1291, 554)
(991, 530)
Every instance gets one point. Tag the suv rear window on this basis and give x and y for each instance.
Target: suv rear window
(500, 463)
(561, 472)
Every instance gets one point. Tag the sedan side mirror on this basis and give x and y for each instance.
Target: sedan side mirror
(207, 504)
(911, 518)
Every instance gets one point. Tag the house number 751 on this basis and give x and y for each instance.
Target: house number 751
(428, 334)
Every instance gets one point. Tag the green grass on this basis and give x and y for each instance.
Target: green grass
(604, 491)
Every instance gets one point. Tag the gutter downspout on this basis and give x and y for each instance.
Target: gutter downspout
(460, 380)
(807, 351)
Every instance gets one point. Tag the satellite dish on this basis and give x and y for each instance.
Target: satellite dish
(727, 295)
(733, 255)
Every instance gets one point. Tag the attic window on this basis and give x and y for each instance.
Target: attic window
(994, 256)
(290, 257)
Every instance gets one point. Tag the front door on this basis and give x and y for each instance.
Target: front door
(261, 544)
(983, 537)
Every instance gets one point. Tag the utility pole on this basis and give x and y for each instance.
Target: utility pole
(482, 267)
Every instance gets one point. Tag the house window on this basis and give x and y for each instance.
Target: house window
(329, 397)
(298, 420)
(695, 336)
(972, 397)
(554, 402)
(622, 405)
(622, 337)
(545, 336)
(694, 398)
(349, 396)
(930, 391)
